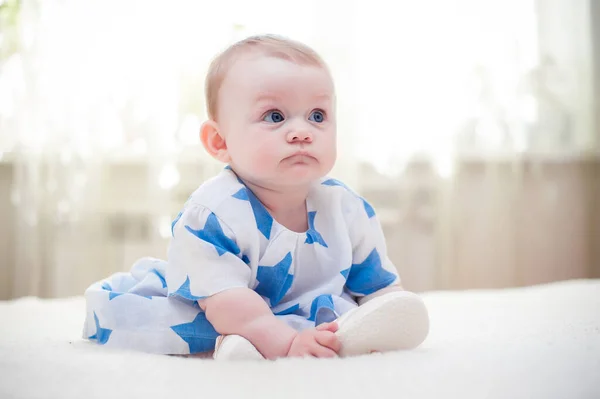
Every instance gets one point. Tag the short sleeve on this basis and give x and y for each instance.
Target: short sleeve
(204, 257)
(371, 268)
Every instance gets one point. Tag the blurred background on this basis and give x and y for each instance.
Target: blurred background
(472, 126)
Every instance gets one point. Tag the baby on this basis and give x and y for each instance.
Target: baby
(271, 258)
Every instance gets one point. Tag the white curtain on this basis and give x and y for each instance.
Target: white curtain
(450, 113)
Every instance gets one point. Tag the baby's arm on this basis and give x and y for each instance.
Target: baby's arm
(242, 311)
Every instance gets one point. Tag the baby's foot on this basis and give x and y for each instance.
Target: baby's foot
(235, 347)
(394, 321)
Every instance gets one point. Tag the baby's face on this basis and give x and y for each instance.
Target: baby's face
(278, 120)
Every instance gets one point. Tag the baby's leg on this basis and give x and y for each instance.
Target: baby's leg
(393, 321)
(132, 311)
(235, 347)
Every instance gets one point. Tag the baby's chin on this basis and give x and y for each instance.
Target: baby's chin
(290, 178)
(286, 174)
(298, 176)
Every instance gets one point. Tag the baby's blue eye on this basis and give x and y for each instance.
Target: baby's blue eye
(317, 116)
(274, 117)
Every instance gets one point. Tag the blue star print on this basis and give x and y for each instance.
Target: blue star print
(334, 182)
(242, 194)
(368, 208)
(175, 222)
(274, 281)
(111, 294)
(345, 273)
(369, 276)
(322, 310)
(290, 310)
(184, 291)
(102, 334)
(313, 235)
(264, 221)
(213, 234)
(160, 277)
(199, 334)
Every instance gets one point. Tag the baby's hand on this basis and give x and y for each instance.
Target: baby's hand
(317, 342)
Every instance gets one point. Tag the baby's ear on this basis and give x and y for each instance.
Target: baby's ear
(213, 142)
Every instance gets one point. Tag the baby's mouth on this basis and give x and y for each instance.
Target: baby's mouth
(300, 157)
(301, 153)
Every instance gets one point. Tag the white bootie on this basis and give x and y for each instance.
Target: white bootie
(393, 321)
(235, 347)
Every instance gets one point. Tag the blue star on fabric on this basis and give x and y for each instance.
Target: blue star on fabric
(102, 334)
(174, 222)
(345, 273)
(369, 276)
(274, 281)
(264, 221)
(160, 277)
(184, 291)
(322, 310)
(212, 233)
(335, 182)
(368, 208)
(242, 194)
(111, 294)
(312, 235)
(291, 310)
(199, 334)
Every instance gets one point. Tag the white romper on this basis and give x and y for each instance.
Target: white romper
(225, 238)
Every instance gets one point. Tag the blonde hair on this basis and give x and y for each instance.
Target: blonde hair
(269, 45)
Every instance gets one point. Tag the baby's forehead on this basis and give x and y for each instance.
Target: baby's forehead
(228, 69)
(257, 70)
(293, 52)
(270, 57)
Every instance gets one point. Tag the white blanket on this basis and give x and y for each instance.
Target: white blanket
(535, 342)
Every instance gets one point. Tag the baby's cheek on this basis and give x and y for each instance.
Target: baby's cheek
(328, 155)
(264, 154)
(262, 162)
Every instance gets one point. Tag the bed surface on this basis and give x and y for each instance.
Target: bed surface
(533, 342)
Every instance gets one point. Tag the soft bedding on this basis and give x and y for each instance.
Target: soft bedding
(531, 342)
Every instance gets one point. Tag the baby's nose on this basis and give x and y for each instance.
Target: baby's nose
(300, 136)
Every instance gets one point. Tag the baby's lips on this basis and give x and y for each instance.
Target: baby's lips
(301, 154)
